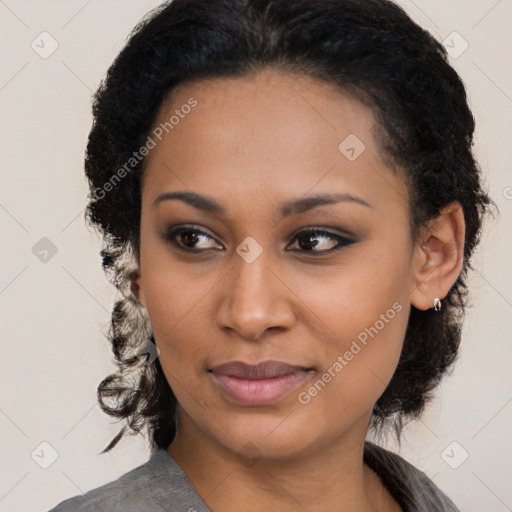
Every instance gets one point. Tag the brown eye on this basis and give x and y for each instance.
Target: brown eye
(188, 238)
(320, 241)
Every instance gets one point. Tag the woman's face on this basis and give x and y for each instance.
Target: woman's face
(264, 270)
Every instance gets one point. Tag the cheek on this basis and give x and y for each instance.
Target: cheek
(173, 291)
(357, 363)
(359, 292)
(363, 310)
(178, 319)
(178, 307)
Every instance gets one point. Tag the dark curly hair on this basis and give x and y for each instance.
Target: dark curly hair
(369, 49)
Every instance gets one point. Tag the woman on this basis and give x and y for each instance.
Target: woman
(289, 204)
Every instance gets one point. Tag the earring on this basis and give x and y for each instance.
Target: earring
(437, 304)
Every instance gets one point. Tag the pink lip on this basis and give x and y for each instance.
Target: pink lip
(258, 384)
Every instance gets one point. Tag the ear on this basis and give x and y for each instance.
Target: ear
(136, 286)
(438, 256)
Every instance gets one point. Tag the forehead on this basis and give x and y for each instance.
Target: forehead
(265, 133)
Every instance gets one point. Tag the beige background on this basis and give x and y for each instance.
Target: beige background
(53, 314)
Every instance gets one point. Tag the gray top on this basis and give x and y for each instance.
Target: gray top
(160, 485)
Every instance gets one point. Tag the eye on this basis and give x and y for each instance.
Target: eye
(320, 241)
(189, 238)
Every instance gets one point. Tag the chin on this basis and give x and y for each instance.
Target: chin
(257, 436)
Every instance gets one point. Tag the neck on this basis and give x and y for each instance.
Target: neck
(332, 477)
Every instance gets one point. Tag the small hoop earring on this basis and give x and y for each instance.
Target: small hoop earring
(437, 304)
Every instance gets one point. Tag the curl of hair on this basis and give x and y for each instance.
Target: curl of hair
(369, 49)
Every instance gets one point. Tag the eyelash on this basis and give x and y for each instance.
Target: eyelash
(173, 233)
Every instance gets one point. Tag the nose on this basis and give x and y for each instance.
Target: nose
(255, 300)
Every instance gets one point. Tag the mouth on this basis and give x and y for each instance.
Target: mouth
(259, 384)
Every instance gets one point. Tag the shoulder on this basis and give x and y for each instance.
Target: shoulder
(121, 494)
(412, 488)
(153, 487)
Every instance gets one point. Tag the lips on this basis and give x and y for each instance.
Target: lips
(259, 384)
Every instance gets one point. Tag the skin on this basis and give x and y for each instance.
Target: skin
(251, 144)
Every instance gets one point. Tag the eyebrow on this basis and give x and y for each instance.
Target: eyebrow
(287, 209)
